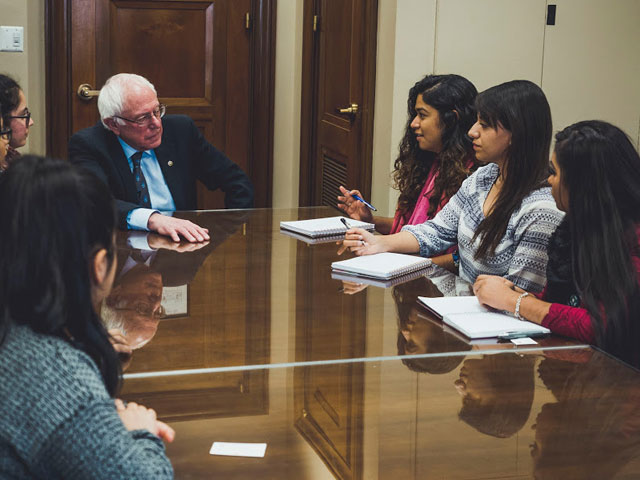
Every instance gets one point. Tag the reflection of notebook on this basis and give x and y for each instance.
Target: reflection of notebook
(324, 227)
(376, 282)
(382, 265)
(474, 320)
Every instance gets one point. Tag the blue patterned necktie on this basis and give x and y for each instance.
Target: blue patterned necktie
(141, 183)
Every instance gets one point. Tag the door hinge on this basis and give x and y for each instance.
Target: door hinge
(247, 21)
(316, 20)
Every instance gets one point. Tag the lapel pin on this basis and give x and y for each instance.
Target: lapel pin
(170, 163)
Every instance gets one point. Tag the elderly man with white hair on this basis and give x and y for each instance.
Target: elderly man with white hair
(151, 161)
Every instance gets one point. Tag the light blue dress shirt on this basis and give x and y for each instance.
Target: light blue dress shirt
(159, 194)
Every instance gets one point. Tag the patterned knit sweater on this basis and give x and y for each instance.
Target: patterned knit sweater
(521, 255)
(58, 421)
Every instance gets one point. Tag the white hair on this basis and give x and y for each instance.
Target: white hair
(112, 318)
(115, 92)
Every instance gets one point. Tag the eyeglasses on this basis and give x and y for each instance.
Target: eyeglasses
(26, 115)
(6, 133)
(147, 119)
(146, 310)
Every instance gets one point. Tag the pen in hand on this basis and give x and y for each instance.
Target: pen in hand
(359, 198)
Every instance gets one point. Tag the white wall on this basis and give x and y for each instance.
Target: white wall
(28, 67)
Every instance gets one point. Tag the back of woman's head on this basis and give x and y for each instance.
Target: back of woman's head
(9, 95)
(53, 218)
(520, 107)
(601, 171)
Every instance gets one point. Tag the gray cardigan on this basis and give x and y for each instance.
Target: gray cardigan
(58, 421)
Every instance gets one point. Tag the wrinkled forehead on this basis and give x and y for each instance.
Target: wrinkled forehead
(139, 99)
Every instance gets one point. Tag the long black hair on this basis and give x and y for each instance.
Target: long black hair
(9, 96)
(54, 217)
(452, 96)
(521, 108)
(600, 169)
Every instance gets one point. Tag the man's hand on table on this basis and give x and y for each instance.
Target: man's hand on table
(176, 228)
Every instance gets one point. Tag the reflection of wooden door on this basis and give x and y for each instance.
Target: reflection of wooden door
(209, 59)
(329, 398)
(339, 53)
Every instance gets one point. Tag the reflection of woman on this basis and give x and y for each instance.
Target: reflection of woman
(497, 393)
(592, 292)
(418, 334)
(435, 153)
(59, 373)
(593, 430)
(503, 215)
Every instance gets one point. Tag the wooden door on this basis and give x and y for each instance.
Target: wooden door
(209, 59)
(339, 51)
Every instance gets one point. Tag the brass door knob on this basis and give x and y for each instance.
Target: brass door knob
(86, 92)
(352, 110)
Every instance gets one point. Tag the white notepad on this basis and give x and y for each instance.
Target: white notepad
(324, 227)
(377, 282)
(474, 320)
(382, 265)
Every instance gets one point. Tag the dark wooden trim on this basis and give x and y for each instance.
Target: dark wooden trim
(368, 95)
(57, 77)
(307, 106)
(263, 83)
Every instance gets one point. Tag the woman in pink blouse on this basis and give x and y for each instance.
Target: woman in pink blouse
(592, 290)
(436, 154)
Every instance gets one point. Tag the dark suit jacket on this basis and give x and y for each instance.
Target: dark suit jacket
(98, 149)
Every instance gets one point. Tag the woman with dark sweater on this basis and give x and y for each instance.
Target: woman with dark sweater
(59, 374)
(592, 291)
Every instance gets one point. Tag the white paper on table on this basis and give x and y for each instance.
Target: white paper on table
(524, 341)
(232, 449)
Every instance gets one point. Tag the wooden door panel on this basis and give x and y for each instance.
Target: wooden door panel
(329, 399)
(339, 56)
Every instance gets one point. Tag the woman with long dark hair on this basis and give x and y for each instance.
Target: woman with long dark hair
(503, 215)
(592, 292)
(435, 154)
(59, 373)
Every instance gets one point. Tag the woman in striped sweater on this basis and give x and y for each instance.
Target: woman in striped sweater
(503, 215)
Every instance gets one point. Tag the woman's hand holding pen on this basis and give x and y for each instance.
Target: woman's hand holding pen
(352, 207)
(362, 242)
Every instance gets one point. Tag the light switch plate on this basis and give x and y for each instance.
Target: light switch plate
(11, 39)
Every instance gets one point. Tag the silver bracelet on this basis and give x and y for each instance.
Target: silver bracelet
(517, 312)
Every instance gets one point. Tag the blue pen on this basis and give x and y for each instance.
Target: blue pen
(358, 197)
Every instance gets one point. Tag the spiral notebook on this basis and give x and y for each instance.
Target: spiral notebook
(324, 227)
(382, 265)
(377, 282)
(474, 320)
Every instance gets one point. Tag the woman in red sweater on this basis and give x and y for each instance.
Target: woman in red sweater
(592, 290)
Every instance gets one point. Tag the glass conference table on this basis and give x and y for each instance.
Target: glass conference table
(250, 339)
